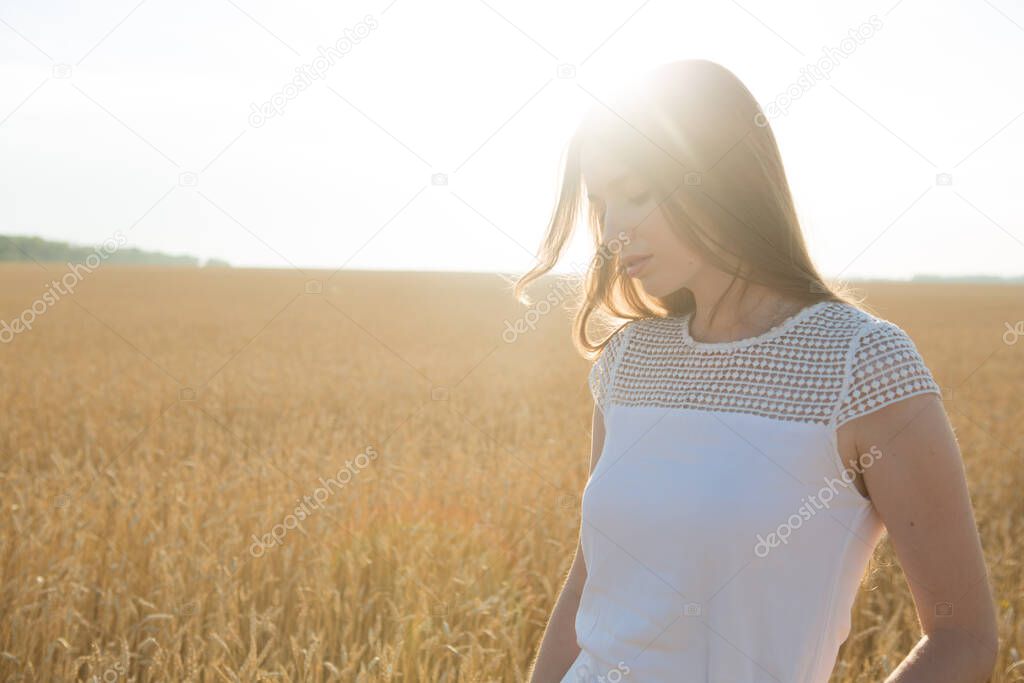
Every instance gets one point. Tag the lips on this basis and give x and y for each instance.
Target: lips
(633, 265)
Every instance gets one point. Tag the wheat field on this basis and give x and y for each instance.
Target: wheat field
(241, 475)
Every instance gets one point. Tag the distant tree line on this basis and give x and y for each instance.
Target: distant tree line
(21, 248)
(973, 279)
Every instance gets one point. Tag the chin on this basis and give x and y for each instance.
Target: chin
(655, 289)
(660, 288)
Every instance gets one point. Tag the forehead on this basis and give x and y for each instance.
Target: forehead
(601, 172)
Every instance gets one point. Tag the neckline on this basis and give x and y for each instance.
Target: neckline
(775, 331)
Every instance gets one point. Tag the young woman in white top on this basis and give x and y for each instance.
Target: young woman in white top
(754, 430)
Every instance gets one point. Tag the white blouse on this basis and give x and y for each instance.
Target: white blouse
(724, 538)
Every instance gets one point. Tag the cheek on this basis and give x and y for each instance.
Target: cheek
(667, 243)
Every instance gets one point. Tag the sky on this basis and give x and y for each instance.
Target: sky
(431, 139)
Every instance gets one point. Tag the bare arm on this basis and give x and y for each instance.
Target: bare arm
(918, 486)
(558, 646)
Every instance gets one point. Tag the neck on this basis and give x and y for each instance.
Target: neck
(757, 311)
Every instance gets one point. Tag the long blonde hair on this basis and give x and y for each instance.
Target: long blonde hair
(691, 130)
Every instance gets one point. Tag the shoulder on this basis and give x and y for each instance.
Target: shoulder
(838, 322)
(613, 352)
(606, 359)
(616, 341)
(883, 367)
(845, 325)
(646, 329)
(880, 341)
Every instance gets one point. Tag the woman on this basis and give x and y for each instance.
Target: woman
(750, 443)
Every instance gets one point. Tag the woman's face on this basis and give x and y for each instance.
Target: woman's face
(637, 228)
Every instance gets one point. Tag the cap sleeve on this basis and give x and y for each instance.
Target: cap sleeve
(884, 367)
(602, 373)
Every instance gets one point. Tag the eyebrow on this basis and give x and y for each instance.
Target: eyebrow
(615, 182)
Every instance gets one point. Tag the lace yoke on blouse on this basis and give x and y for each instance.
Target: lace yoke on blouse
(829, 363)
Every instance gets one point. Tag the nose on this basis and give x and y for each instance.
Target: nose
(618, 232)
